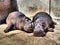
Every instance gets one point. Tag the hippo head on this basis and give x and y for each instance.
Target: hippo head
(39, 29)
(28, 25)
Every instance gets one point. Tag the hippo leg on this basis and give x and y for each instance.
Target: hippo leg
(53, 25)
(9, 28)
(50, 30)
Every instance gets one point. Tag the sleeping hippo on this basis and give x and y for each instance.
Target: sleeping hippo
(19, 21)
(42, 23)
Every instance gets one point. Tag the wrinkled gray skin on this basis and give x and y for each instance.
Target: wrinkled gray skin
(19, 21)
(42, 22)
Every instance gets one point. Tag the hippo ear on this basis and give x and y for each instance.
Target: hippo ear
(55, 23)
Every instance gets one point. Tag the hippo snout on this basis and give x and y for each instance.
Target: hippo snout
(28, 28)
(39, 33)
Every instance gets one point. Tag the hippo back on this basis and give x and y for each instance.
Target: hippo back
(44, 15)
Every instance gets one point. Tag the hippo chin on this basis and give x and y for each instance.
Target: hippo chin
(42, 24)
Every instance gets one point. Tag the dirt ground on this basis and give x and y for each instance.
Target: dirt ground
(18, 37)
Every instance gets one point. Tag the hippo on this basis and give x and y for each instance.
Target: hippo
(17, 20)
(6, 7)
(43, 23)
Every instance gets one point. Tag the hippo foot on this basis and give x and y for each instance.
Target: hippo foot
(50, 30)
(6, 31)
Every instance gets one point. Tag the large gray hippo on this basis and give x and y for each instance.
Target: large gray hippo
(42, 22)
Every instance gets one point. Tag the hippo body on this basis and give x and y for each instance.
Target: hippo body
(19, 21)
(42, 23)
(6, 6)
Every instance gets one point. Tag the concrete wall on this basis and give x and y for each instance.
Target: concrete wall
(55, 10)
(31, 7)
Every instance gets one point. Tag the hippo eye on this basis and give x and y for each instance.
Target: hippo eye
(43, 24)
(28, 20)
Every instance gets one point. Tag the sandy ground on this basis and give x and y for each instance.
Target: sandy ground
(18, 37)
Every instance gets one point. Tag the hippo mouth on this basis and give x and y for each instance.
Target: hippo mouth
(30, 30)
(39, 34)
